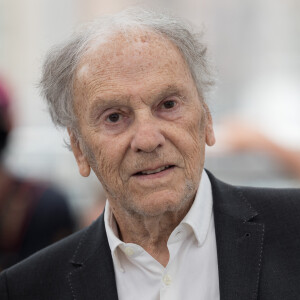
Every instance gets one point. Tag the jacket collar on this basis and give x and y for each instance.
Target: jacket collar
(239, 242)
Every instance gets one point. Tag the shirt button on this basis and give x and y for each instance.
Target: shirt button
(129, 251)
(167, 279)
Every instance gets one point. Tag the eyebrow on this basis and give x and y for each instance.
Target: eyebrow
(170, 91)
(101, 104)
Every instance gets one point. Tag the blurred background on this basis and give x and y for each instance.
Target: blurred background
(256, 108)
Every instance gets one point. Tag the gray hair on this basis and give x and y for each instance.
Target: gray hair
(60, 66)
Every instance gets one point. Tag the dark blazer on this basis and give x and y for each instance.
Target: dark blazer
(258, 244)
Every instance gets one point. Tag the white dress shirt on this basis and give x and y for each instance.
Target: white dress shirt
(192, 270)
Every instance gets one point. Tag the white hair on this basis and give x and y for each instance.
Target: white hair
(60, 66)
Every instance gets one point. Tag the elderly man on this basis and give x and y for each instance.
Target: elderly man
(131, 91)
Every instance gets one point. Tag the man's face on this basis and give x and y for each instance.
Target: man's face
(142, 124)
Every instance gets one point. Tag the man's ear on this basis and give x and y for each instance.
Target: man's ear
(82, 162)
(209, 129)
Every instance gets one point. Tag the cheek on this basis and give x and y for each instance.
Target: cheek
(194, 148)
(106, 163)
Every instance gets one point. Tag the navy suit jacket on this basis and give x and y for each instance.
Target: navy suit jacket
(258, 245)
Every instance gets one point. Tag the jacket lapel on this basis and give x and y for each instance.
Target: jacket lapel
(239, 242)
(93, 274)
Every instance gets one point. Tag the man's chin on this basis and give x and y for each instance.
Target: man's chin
(159, 204)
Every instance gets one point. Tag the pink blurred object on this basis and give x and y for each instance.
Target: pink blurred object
(4, 95)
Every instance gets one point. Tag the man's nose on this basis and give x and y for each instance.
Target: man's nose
(147, 136)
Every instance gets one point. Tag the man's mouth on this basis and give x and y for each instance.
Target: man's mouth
(158, 170)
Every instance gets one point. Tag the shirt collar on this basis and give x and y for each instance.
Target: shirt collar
(112, 234)
(198, 217)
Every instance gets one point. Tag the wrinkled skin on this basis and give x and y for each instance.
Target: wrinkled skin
(138, 109)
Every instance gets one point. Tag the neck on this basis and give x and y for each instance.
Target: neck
(150, 232)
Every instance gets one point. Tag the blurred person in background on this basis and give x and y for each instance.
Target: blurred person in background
(261, 135)
(237, 135)
(131, 90)
(33, 214)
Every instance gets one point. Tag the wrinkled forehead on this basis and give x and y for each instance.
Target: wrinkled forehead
(141, 46)
(140, 36)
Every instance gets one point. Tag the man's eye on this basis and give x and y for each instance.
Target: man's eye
(169, 104)
(113, 118)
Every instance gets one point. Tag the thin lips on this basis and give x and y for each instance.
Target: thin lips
(153, 168)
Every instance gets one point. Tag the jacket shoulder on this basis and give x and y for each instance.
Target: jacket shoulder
(281, 204)
(276, 202)
(44, 275)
